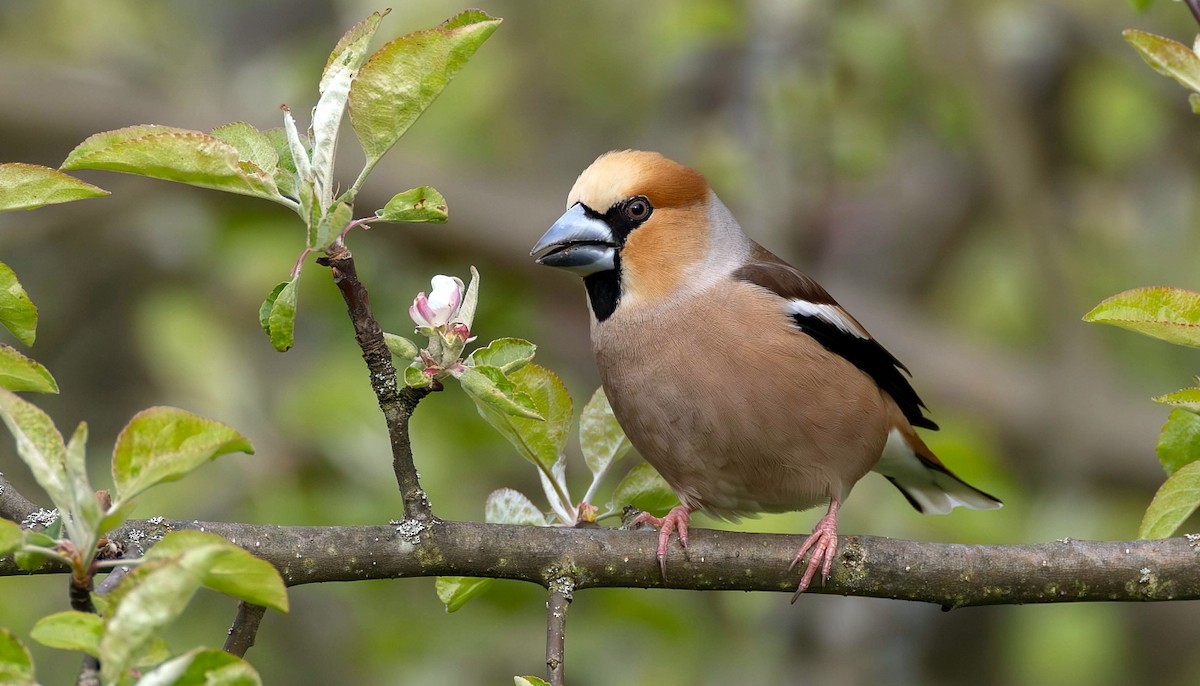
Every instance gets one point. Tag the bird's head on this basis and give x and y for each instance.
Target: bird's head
(639, 227)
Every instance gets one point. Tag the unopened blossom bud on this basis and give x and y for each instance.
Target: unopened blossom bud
(442, 303)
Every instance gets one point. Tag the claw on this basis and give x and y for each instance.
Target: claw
(823, 545)
(676, 520)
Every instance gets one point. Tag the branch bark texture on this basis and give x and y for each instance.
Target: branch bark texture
(949, 575)
(397, 401)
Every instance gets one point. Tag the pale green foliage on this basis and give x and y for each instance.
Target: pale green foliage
(1172, 314)
(506, 354)
(538, 441)
(202, 667)
(30, 186)
(493, 392)
(1187, 398)
(10, 536)
(1167, 57)
(18, 314)
(1175, 501)
(156, 592)
(384, 94)
(1179, 442)
(529, 681)
(16, 667)
(173, 154)
(278, 314)
(643, 488)
(508, 506)
(455, 591)
(70, 630)
(600, 436)
(165, 443)
(422, 204)
(401, 348)
(224, 567)
(19, 373)
(402, 79)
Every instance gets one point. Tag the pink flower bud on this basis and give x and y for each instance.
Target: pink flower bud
(442, 303)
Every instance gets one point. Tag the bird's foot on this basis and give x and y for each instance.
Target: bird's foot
(823, 545)
(677, 519)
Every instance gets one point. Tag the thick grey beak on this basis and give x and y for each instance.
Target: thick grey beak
(577, 243)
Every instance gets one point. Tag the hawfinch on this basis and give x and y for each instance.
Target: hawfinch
(737, 377)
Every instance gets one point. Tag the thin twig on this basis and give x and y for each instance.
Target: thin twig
(397, 401)
(1194, 6)
(244, 628)
(562, 590)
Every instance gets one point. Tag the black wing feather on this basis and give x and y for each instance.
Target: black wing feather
(768, 271)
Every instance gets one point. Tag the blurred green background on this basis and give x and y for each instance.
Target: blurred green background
(967, 178)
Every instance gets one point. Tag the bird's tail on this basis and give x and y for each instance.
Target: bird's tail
(929, 486)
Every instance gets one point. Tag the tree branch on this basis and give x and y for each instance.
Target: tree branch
(396, 400)
(950, 575)
(562, 591)
(13, 505)
(244, 629)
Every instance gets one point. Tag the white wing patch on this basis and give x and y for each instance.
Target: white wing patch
(830, 314)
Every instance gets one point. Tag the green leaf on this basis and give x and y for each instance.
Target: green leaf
(455, 591)
(1172, 314)
(1187, 398)
(85, 509)
(165, 443)
(1175, 501)
(491, 389)
(600, 436)
(11, 536)
(529, 681)
(19, 373)
(401, 347)
(330, 226)
(264, 311)
(540, 442)
(70, 630)
(40, 446)
(224, 568)
(281, 319)
(643, 488)
(351, 48)
(416, 378)
(509, 506)
(422, 204)
(18, 314)
(30, 186)
(1179, 442)
(1167, 57)
(403, 78)
(155, 593)
(252, 145)
(16, 666)
(506, 354)
(162, 152)
(285, 173)
(202, 667)
(32, 561)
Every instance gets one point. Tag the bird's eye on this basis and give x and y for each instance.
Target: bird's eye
(637, 209)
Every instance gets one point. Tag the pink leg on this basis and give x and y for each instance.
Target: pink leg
(677, 519)
(823, 542)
